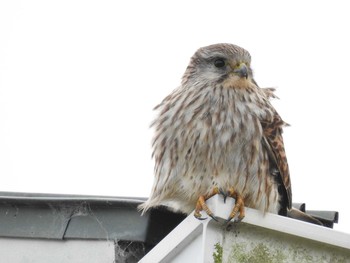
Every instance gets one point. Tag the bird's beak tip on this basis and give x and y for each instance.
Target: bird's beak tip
(241, 70)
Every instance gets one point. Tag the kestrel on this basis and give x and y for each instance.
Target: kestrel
(219, 133)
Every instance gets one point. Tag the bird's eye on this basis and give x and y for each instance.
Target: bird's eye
(219, 63)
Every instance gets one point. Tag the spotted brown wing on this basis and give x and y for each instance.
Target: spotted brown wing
(273, 142)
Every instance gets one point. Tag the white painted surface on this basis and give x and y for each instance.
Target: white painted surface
(13, 250)
(193, 240)
(175, 242)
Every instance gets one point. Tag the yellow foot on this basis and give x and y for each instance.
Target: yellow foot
(239, 205)
(237, 209)
(202, 206)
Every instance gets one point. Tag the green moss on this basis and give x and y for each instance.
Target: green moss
(217, 255)
(259, 254)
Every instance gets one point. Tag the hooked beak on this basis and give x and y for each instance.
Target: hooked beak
(241, 70)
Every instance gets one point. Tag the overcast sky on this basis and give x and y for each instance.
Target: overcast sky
(79, 79)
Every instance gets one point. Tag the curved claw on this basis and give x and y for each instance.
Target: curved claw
(237, 220)
(238, 208)
(202, 206)
(214, 217)
(199, 216)
(224, 194)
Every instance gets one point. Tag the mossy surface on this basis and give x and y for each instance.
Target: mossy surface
(217, 255)
(245, 243)
(261, 253)
(258, 254)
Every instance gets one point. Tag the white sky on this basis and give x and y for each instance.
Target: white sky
(79, 79)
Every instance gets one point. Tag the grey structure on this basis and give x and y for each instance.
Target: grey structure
(44, 218)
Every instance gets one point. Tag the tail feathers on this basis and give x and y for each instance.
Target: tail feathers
(143, 207)
(150, 203)
(299, 215)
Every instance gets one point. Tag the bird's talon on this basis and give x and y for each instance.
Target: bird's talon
(237, 220)
(238, 207)
(224, 194)
(202, 206)
(214, 217)
(197, 214)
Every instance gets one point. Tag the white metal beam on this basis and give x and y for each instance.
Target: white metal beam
(194, 239)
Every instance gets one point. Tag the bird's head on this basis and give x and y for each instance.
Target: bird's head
(220, 63)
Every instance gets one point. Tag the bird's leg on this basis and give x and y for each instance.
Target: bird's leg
(239, 205)
(202, 206)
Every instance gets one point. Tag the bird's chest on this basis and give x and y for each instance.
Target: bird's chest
(216, 131)
(225, 133)
(224, 124)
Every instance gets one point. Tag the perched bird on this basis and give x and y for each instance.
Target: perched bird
(219, 133)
